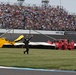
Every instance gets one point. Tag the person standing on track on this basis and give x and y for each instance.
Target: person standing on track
(26, 42)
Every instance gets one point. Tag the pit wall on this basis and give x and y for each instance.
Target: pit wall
(38, 35)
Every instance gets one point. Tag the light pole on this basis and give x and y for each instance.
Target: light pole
(45, 3)
(60, 3)
(20, 2)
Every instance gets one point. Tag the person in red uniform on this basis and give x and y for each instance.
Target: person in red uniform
(72, 45)
(65, 44)
(56, 45)
(60, 44)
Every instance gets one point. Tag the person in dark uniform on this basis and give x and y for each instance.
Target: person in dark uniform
(26, 42)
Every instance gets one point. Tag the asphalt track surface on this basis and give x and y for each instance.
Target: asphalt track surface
(28, 71)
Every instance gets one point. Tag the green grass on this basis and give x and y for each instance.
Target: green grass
(38, 58)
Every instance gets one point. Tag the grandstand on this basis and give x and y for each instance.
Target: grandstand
(36, 18)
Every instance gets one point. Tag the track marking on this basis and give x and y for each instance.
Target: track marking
(32, 69)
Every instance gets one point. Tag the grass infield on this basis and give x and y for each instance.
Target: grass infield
(38, 58)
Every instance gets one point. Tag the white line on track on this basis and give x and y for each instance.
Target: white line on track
(48, 70)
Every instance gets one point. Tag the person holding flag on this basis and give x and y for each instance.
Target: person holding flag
(26, 42)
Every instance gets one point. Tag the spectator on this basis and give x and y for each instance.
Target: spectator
(36, 17)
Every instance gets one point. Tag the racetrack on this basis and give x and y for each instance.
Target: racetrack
(29, 71)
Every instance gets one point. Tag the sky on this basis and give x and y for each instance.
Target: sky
(69, 5)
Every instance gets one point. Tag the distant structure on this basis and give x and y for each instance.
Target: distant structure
(20, 2)
(45, 3)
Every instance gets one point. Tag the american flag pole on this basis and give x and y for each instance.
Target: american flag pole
(60, 3)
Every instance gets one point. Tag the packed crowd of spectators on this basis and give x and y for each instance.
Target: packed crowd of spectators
(36, 17)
